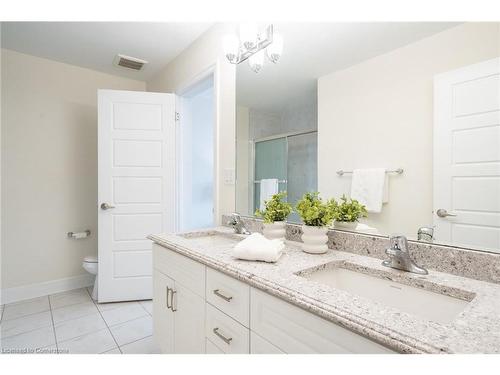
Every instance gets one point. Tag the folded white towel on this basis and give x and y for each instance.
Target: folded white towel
(268, 187)
(368, 187)
(257, 247)
(366, 228)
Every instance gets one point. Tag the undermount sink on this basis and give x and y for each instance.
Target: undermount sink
(423, 303)
(211, 237)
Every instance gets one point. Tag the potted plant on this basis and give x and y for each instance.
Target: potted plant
(275, 214)
(317, 215)
(349, 211)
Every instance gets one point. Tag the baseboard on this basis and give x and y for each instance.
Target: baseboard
(21, 293)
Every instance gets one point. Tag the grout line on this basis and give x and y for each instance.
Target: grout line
(23, 316)
(150, 314)
(106, 323)
(128, 343)
(53, 326)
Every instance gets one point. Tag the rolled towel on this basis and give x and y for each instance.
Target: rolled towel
(257, 247)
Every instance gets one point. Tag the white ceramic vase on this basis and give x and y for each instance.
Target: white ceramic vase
(346, 225)
(276, 230)
(314, 239)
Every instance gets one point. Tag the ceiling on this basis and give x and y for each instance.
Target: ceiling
(94, 45)
(312, 50)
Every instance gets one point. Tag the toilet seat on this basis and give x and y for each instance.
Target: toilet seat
(90, 259)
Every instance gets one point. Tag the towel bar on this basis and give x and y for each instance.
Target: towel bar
(78, 235)
(398, 171)
(279, 182)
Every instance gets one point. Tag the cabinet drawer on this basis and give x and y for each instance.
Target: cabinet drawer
(211, 348)
(258, 345)
(183, 270)
(229, 295)
(294, 330)
(229, 335)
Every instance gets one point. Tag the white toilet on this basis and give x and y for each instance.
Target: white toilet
(90, 265)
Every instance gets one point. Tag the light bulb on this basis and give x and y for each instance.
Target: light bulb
(275, 49)
(256, 61)
(231, 47)
(248, 35)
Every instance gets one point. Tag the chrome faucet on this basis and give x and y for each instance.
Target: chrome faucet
(237, 224)
(399, 256)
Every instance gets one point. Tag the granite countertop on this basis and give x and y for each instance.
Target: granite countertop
(475, 330)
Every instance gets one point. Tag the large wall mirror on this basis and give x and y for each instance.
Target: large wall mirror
(419, 100)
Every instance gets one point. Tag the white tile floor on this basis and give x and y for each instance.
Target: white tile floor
(71, 322)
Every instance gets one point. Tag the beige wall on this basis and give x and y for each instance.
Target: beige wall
(379, 114)
(49, 166)
(205, 53)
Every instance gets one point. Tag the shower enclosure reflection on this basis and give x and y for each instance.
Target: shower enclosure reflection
(276, 151)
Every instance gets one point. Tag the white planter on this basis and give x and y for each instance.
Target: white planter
(276, 230)
(346, 225)
(314, 239)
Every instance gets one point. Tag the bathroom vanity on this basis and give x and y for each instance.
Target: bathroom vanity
(206, 301)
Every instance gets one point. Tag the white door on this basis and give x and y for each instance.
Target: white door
(136, 189)
(467, 156)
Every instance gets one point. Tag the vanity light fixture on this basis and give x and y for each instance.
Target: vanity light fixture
(252, 45)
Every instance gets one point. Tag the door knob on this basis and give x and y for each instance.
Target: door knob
(443, 213)
(106, 206)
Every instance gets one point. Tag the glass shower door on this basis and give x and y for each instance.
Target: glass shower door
(301, 168)
(270, 162)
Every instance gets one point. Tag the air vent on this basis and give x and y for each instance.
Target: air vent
(129, 62)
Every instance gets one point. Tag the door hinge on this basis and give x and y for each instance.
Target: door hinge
(177, 116)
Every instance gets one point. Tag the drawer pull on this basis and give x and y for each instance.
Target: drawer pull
(174, 309)
(219, 294)
(227, 340)
(168, 295)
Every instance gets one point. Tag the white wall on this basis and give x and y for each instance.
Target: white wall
(243, 161)
(49, 166)
(205, 53)
(379, 114)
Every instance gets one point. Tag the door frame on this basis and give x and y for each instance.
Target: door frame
(184, 87)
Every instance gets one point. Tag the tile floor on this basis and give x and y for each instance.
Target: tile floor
(71, 322)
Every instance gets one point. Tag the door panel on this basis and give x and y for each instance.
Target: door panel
(189, 333)
(163, 322)
(136, 147)
(467, 155)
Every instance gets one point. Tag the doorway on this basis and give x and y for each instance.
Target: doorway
(196, 118)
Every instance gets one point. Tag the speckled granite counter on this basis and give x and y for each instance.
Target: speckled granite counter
(475, 330)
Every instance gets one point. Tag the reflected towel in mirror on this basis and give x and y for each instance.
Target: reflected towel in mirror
(268, 187)
(369, 186)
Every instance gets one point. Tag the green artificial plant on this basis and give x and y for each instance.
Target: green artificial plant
(316, 212)
(276, 209)
(350, 210)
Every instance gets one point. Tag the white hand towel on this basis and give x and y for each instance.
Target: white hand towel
(268, 187)
(368, 186)
(257, 247)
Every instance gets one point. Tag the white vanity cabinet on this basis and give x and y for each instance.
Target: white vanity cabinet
(178, 303)
(199, 310)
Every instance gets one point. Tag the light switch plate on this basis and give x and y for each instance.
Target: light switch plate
(229, 176)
